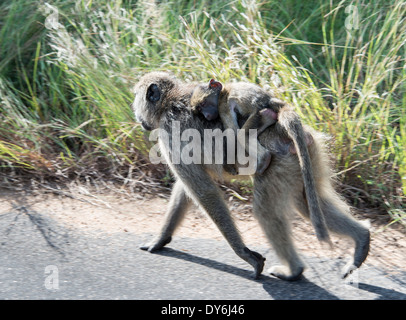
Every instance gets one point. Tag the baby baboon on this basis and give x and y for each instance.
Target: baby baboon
(160, 99)
(251, 102)
(211, 100)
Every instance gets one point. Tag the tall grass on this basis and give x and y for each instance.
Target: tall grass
(67, 68)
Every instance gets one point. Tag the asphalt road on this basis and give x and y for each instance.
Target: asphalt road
(40, 259)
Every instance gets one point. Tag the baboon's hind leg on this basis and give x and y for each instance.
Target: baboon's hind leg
(270, 209)
(339, 220)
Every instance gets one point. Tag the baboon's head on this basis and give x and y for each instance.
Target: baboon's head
(150, 92)
(205, 99)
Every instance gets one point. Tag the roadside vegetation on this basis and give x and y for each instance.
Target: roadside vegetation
(67, 68)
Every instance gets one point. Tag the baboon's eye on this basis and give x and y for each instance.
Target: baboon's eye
(153, 93)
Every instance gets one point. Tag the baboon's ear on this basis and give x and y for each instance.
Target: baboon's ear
(213, 84)
(153, 93)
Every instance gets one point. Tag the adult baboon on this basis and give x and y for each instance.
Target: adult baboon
(160, 99)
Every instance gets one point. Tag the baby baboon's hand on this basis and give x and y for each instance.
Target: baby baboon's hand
(269, 117)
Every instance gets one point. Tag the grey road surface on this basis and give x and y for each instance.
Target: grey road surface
(40, 259)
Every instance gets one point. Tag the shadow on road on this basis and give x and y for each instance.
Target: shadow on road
(276, 288)
(383, 293)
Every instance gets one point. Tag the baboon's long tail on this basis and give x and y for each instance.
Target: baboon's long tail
(291, 122)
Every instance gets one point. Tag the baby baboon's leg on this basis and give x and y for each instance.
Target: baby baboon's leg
(260, 123)
(178, 205)
(270, 209)
(339, 220)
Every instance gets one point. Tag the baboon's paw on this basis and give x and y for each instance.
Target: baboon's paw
(348, 269)
(260, 264)
(362, 248)
(360, 254)
(155, 246)
(256, 260)
(284, 273)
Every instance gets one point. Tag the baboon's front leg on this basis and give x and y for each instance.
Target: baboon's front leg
(204, 191)
(178, 205)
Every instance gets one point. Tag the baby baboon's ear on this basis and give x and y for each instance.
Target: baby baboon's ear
(213, 84)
